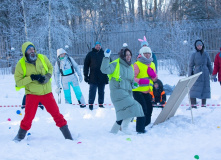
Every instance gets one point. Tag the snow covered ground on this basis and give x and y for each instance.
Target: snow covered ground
(175, 139)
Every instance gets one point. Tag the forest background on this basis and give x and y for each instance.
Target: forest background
(171, 28)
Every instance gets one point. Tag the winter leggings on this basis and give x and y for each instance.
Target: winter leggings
(145, 100)
(193, 101)
(77, 91)
(50, 104)
(92, 93)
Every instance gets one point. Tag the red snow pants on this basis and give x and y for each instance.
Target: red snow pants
(50, 104)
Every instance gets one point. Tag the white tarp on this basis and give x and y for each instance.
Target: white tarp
(179, 92)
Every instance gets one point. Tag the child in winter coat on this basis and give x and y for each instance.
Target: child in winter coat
(66, 67)
(158, 94)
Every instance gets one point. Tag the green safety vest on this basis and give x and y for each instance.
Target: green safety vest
(143, 74)
(116, 73)
(23, 66)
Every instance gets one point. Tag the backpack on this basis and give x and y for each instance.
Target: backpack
(72, 67)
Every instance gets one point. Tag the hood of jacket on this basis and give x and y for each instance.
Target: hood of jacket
(24, 46)
(202, 50)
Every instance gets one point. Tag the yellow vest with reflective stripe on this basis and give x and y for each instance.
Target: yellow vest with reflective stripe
(116, 73)
(143, 74)
(22, 62)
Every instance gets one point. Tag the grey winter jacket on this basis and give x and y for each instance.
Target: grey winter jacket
(200, 62)
(121, 91)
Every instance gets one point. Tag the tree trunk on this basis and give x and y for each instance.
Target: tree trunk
(49, 29)
(140, 9)
(155, 9)
(25, 23)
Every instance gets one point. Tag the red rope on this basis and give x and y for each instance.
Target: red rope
(93, 104)
(4, 106)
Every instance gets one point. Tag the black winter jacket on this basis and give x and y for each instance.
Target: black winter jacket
(92, 65)
(158, 92)
(157, 95)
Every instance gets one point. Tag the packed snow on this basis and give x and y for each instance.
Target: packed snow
(175, 139)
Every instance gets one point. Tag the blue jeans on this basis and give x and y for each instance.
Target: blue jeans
(92, 93)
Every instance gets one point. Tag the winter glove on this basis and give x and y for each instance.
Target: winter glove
(143, 81)
(58, 90)
(47, 78)
(41, 79)
(86, 79)
(213, 78)
(35, 77)
(80, 78)
(107, 53)
(151, 73)
(135, 85)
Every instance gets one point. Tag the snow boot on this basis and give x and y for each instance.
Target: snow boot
(124, 126)
(91, 106)
(194, 107)
(65, 131)
(115, 128)
(101, 106)
(203, 103)
(20, 136)
(193, 103)
(142, 132)
(81, 105)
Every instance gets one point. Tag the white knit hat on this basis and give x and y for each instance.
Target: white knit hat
(145, 50)
(125, 45)
(60, 51)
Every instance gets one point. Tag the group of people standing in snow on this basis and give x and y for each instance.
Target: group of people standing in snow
(132, 86)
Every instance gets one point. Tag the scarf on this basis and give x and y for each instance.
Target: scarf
(145, 60)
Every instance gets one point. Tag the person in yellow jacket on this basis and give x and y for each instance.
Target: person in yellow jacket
(33, 72)
(145, 74)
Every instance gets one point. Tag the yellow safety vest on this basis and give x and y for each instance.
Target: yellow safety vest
(23, 66)
(116, 73)
(143, 74)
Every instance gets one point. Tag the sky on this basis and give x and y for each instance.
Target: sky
(175, 139)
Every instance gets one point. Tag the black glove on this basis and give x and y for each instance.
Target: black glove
(35, 77)
(42, 79)
(38, 78)
(86, 79)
